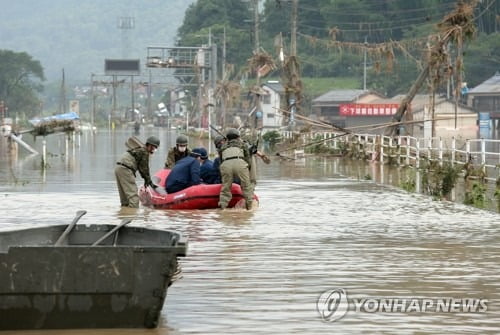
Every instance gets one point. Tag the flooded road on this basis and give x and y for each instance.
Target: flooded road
(262, 272)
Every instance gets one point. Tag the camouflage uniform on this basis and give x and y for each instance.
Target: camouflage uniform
(235, 160)
(174, 155)
(132, 161)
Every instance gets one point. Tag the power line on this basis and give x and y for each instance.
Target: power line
(368, 27)
(446, 6)
(405, 42)
(365, 22)
(379, 26)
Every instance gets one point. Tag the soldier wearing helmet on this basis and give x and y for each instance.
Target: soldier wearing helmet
(133, 160)
(235, 161)
(219, 140)
(178, 152)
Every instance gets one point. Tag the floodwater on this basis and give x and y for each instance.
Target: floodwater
(262, 272)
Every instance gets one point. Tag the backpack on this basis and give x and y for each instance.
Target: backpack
(133, 143)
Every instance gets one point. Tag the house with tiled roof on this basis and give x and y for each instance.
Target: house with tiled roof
(345, 108)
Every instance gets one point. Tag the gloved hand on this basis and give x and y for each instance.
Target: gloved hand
(253, 149)
(150, 184)
(264, 158)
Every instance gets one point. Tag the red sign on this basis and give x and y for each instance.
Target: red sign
(368, 109)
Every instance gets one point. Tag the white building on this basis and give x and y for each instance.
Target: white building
(272, 105)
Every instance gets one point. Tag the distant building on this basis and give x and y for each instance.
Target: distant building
(340, 107)
(272, 105)
(447, 114)
(485, 98)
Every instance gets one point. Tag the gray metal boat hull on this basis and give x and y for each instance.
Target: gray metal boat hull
(121, 283)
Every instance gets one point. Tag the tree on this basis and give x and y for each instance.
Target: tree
(218, 16)
(207, 13)
(482, 58)
(20, 82)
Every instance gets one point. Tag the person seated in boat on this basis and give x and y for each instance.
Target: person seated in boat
(185, 173)
(206, 169)
(216, 178)
(218, 142)
(133, 160)
(178, 152)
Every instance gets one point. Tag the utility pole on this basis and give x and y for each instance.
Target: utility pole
(364, 65)
(256, 47)
(292, 102)
(150, 88)
(114, 86)
(132, 95)
(256, 24)
(222, 118)
(224, 55)
(62, 101)
(293, 46)
(213, 80)
(256, 51)
(92, 112)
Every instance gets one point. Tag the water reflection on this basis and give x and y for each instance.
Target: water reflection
(320, 225)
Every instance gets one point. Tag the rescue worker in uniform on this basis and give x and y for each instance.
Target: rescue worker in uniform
(178, 152)
(133, 160)
(216, 177)
(235, 162)
(185, 173)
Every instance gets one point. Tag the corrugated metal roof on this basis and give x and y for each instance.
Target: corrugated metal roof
(491, 85)
(340, 96)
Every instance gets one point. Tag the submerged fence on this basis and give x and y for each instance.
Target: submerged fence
(411, 151)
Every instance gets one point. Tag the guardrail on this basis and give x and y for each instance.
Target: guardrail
(410, 151)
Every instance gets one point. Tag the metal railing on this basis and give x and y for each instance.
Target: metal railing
(411, 151)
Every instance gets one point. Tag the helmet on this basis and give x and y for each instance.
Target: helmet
(218, 139)
(232, 133)
(198, 152)
(181, 139)
(153, 140)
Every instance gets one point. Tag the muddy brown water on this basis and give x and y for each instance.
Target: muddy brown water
(262, 272)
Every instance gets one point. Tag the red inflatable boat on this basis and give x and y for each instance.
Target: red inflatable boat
(203, 196)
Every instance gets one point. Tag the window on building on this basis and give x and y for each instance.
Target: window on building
(267, 99)
(270, 115)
